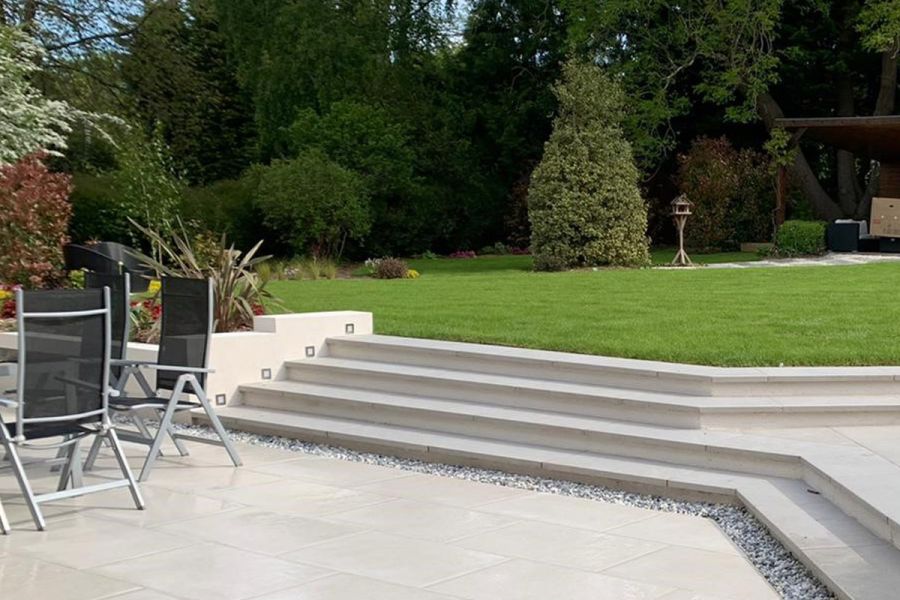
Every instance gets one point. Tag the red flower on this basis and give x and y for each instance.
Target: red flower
(8, 309)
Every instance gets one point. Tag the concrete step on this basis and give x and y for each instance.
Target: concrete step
(619, 372)
(859, 482)
(529, 426)
(375, 384)
(672, 410)
(842, 552)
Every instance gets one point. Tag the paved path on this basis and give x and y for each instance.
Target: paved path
(829, 260)
(293, 526)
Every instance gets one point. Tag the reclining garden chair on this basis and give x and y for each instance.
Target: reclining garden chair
(108, 257)
(181, 369)
(62, 393)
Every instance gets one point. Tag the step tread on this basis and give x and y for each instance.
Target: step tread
(628, 365)
(668, 401)
(650, 433)
(874, 481)
(286, 388)
(839, 549)
(418, 372)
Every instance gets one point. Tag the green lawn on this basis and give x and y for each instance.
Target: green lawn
(795, 316)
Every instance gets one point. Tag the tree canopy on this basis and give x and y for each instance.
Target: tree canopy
(441, 109)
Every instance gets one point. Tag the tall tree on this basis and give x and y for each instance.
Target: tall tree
(67, 28)
(299, 54)
(511, 56)
(183, 85)
(756, 58)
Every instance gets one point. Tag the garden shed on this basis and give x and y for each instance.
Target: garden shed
(877, 138)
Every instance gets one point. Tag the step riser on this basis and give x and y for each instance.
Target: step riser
(528, 433)
(807, 418)
(575, 404)
(607, 408)
(820, 388)
(649, 380)
(498, 365)
(619, 481)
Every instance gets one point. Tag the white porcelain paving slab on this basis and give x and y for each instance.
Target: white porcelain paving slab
(804, 517)
(527, 580)
(431, 538)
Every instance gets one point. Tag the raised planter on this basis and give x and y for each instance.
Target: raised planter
(246, 356)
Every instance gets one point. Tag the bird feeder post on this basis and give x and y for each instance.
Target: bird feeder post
(681, 210)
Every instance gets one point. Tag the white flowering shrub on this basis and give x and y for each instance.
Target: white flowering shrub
(29, 122)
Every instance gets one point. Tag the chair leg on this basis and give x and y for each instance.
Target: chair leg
(126, 470)
(75, 468)
(179, 445)
(93, 453)
(61, 453)
(4, 522)
(66, 468)
(165, 421)
(217, 425)
(24, 485)
(144, 430)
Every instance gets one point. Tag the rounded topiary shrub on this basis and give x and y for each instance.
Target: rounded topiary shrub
(583, 201)
(800, 238)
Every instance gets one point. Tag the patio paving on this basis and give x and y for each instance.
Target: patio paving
(296, 526)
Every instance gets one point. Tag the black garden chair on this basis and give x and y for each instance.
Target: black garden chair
(63, 390)
(111, 258)
(181, 369)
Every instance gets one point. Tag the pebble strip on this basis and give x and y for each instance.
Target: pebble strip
(782, 570)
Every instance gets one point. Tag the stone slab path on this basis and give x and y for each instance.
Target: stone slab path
(831, 259)
(295, 526)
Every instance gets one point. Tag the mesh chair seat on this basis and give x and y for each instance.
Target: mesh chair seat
(126, 403)
(40, 431)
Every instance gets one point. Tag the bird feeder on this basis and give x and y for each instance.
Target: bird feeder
(681, 210)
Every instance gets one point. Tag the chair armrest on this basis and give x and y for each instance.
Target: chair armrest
(147, 364)
(157, 367)
(126, 362)
(9, 403)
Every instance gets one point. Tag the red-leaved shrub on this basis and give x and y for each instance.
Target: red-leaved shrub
(732, 191)
(34, 219)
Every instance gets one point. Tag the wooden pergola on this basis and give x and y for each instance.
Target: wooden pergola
(877, 138)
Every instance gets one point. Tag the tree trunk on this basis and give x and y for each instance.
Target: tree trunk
(887, 92)
(849, 191)
(884, 105)
(29, 14)
(819, 199)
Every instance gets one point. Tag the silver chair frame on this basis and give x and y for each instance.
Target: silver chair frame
(72, 467)
(188, 377)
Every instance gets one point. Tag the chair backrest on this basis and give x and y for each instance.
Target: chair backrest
(120, 308)
(63, 362)
(187, 323)
(126, 259)
(78, 257)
